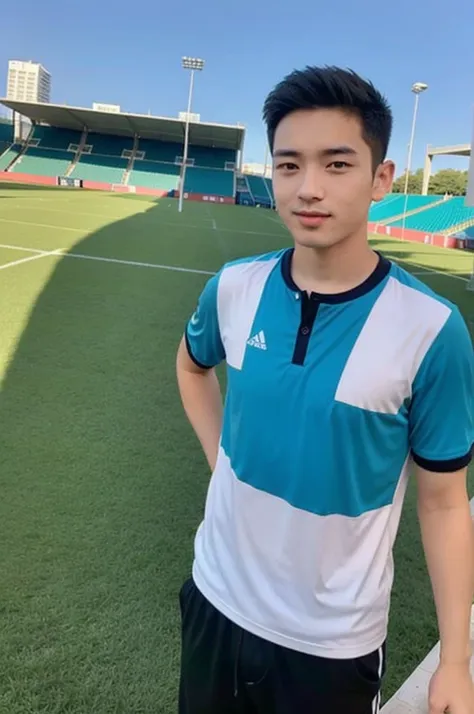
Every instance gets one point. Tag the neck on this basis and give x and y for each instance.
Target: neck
(335, 269)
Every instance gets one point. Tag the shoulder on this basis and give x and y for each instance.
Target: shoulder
(415, 291)
(422, 308)
(243, 272)
(436, 321)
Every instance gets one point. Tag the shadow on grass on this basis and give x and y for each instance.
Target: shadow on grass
(102, 485)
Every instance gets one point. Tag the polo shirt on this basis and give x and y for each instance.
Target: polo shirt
(329, 400)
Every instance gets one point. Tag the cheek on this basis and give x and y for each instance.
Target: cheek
(284, 190)
(355, 192)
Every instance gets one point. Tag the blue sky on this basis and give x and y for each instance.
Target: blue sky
(129, 54)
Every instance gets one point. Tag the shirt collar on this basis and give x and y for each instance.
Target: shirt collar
(375, 278)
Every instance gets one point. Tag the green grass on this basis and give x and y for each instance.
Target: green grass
(102, 481)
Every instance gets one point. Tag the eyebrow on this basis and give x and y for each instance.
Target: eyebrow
(330, 151)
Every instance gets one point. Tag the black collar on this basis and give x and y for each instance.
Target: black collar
(381, 271)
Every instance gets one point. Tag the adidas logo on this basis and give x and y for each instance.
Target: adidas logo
(258, 341)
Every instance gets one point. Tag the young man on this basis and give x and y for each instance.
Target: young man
(343, 372)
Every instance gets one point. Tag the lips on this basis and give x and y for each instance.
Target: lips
(311, 219)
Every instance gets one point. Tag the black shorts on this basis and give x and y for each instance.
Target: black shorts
(227, 670)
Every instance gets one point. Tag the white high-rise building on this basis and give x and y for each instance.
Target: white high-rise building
(28, 82)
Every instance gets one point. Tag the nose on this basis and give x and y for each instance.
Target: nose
(311, 186)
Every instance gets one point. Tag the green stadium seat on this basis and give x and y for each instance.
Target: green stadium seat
(258, 187)
(106, 169)
(209, 181)
(394, 205)
(439, 218)
(154, 174)
(7, 157)
(43, 162)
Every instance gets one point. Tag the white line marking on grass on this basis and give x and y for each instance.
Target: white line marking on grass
(75, 212)
(136, 263)
(275, 220)
(87, 231)
(41, 254)
(430, 270)
(42, 225)
(214, 226)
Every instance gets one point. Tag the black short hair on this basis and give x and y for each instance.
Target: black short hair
(332, 88)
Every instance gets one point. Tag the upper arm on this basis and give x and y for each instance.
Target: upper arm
(202, 338)
(442, 408)
(441, 490)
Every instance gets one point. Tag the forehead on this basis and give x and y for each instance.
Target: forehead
(308, 130)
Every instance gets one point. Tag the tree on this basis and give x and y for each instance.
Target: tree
(448, 181)
(444, 181)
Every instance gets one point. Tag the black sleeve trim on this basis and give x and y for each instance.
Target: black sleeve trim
(444, 466)
(188, 347)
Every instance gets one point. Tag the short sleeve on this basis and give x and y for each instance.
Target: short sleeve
(442, 406)
(202, 334)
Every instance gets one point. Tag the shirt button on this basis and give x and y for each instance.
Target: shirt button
(305, 330)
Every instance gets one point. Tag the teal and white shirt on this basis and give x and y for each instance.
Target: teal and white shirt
(329, 399)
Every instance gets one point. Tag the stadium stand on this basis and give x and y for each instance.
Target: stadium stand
(393, 206)
(209, 181)
(8, 156)
(43, 162)
(47, 154)
(270, 188)
(259, 190)
(440, 218)
(243, 194)
(154, 174)
(48, 137)
(160, 167)
(106, 169)
(6, 134)
(163, 151)
(211, 158)
(101, 158)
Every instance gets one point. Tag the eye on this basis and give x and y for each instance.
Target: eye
(338, 165)
(287, 166)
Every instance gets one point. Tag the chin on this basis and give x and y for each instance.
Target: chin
(315, 239)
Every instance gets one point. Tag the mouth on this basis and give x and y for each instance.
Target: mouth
(311, 218)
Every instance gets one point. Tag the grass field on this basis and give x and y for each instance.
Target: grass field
(102, 481)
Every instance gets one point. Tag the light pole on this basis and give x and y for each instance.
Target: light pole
(193, 64)
(417, 89)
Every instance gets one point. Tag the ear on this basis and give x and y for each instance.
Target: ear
(383, 180)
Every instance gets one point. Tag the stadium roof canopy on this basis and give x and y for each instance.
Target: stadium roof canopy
(219, 136)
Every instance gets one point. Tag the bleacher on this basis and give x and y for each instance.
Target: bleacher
(156, 164)
(7, 157)
(6, 134)
(104, 169)
(51, 138)
(394, 205)
(439, 218)
(209, 181)
(43, 162)
(154, 174)
(160, 168)
(48, 154)
(104, 163)
(270, 187)
(258, 187)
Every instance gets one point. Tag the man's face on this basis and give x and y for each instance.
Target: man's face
(323, 176)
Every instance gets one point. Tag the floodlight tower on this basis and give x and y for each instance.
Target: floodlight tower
(194, 64)
(417, 89)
